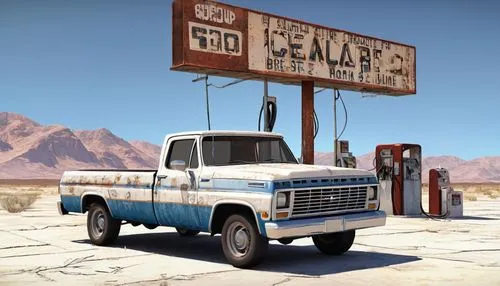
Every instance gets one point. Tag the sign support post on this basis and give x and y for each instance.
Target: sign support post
(335, 139)
(307, 122)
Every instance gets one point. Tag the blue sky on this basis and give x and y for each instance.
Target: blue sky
(94, 64)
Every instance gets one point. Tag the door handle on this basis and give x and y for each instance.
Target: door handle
(159, 178)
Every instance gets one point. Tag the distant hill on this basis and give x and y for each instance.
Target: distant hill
(484, 169)
(29, 150)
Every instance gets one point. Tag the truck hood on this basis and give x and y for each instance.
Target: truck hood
(275, 171)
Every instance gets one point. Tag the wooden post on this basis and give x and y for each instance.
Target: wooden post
(307, 122)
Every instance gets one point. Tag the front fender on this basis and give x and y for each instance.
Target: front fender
(258, 220)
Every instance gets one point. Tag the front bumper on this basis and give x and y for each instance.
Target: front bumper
(61, 209)
(312, 226)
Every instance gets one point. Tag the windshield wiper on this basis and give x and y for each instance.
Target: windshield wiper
(272, 160)
(240, 161)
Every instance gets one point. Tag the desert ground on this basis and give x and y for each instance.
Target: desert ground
(38, 246)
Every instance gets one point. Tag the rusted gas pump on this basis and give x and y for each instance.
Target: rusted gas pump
(399, 172)
(444, 201)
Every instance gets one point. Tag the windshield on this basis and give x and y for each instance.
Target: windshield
(233, 150)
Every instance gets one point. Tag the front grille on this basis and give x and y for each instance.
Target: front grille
(328, 200)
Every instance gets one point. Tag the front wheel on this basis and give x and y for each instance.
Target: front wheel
(334, 243)
(101, 227)
(242, 244)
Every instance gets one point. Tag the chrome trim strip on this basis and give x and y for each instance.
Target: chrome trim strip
(313, 226)
(329, 187)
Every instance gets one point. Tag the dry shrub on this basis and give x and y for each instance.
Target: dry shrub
(469, 190)
(487, 192)
(493, 196)
(15, 203)
(470, 197)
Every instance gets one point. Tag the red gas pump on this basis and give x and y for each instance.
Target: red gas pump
(444, 201)
(399, 172)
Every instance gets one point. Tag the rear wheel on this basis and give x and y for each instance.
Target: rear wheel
(150, 226)
(186, 232)
(242, 244)
(334, 243)
(285, 241)
(101, 227)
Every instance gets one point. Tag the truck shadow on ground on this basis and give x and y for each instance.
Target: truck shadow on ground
(468, 217)
(293, 259)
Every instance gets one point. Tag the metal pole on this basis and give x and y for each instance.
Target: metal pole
(206, 98)
(335, 139)
(266, 111)
(308, 122)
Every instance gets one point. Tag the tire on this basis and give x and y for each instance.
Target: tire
(101, 227)
(285, 241)
(150, 226)
(334, 243)
(186, 232)
(242, 244)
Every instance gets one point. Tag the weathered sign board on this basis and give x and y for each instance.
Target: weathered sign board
(216, 38)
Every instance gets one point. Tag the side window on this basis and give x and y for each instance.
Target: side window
(180, 150)
(194, 158)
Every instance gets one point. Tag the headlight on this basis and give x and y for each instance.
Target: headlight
(283, 200)
(372, 193)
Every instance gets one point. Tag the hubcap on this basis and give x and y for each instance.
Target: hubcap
(238, 240)
(98, 225)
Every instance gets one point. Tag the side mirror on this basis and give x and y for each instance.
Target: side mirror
(178, 165)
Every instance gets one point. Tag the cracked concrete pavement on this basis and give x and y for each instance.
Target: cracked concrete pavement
(41, 247)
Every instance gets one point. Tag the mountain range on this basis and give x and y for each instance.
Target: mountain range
(29, 150)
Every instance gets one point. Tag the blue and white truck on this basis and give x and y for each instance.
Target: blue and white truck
(246, 186)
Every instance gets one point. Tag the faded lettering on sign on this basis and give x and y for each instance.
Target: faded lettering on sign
(212, 39)
(208, 12)
(289, 47)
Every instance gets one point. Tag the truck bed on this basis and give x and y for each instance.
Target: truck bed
(121, 189)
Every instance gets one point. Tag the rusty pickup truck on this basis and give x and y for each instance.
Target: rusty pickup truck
(246, 186)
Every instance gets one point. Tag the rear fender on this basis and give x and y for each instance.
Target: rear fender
(86, 194)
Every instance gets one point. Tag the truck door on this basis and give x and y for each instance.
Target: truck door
(176, 191)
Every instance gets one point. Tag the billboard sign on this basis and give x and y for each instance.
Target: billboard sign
(215, 38)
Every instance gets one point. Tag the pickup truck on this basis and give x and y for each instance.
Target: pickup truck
(246, 186)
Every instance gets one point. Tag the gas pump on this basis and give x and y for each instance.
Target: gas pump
(344, 157)
(444, 201)
(399, 173)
